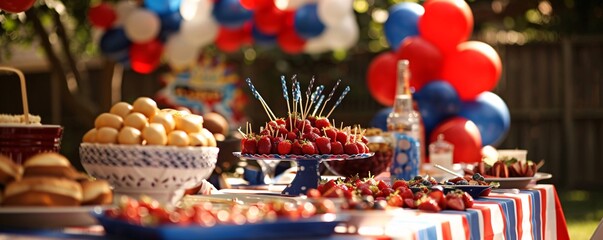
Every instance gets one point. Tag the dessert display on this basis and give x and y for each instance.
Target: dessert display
(49, 179)
(305, 135)
(143, 123)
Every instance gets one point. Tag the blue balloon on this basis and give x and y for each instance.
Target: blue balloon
(491, 115)
(402, 22)
(380, 119)
(261, 38)
(230, 13)
(307, 23)
(170, 22)
(163, 6)
(437, 101)
(114, 41)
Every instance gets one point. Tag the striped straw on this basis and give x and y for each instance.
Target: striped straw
(347, 89)
(284, 85)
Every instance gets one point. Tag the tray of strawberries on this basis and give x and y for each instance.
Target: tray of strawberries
(146, 219)
(510, 172)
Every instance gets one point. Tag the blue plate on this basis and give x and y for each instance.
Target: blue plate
(474, 190)
(317, 226)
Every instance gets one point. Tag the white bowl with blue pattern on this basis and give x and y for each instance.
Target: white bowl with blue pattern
(161, 172)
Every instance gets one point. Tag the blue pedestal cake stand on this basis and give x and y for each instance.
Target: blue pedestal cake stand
(307, 175)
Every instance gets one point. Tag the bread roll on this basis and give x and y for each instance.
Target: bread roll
(90, 136)
(154, 134)
(215, 123)
(146, 106)
(197, 139)
(97, 192)
(178, 138)
(166, 119)
(106, 135)
(9, 170)
(108, 120)
(49, 165)
(211, 141)
(189, 123)
(43, 191)
(129, 135)
(121, 109)
(136, 120)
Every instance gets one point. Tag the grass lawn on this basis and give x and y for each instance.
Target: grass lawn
(583, 210)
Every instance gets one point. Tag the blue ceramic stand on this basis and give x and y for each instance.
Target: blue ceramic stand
(307, 177)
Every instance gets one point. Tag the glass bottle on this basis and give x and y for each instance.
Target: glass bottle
(403, 123)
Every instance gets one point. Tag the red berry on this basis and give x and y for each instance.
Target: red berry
(315, 130)
(291, 136)
(284, 147)
(331, 133)
(364, 140)
(296, 147)
(264, 145)
(439, 197)
(428, 204)
(324, 145)
(382, 185)
(328, 185)
(275, 142)
(308, 148)
(250, 146)
(280, 121)
(360, 147)
(342, 137)
(455, 201)
(310, 136)
(322, 123)
(351, 148)
(399, 183)
(337, 148)
(313, 193)
(467, 200)
(395, 201)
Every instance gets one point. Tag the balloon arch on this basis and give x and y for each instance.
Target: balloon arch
(139, 35)
(452, 77)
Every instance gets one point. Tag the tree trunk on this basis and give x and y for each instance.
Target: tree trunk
(84, 111)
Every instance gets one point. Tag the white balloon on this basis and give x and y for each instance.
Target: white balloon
(332, 12)
(142, 26)
(291, 4)
(316, 45)
(343, 36)
(179, 53)
(196, 9)
(199, 32)
(123, 10)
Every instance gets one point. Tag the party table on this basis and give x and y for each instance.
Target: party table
(535, 213)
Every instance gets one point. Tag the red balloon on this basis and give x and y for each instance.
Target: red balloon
(102, 15)
(425, 60)
(381, 78)
(474, 68)
(290, 42)
(16, 6)
(269, 20)
(145, 57)
(256, 4)
(230, 40)
(446, 23)
(465, 137)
